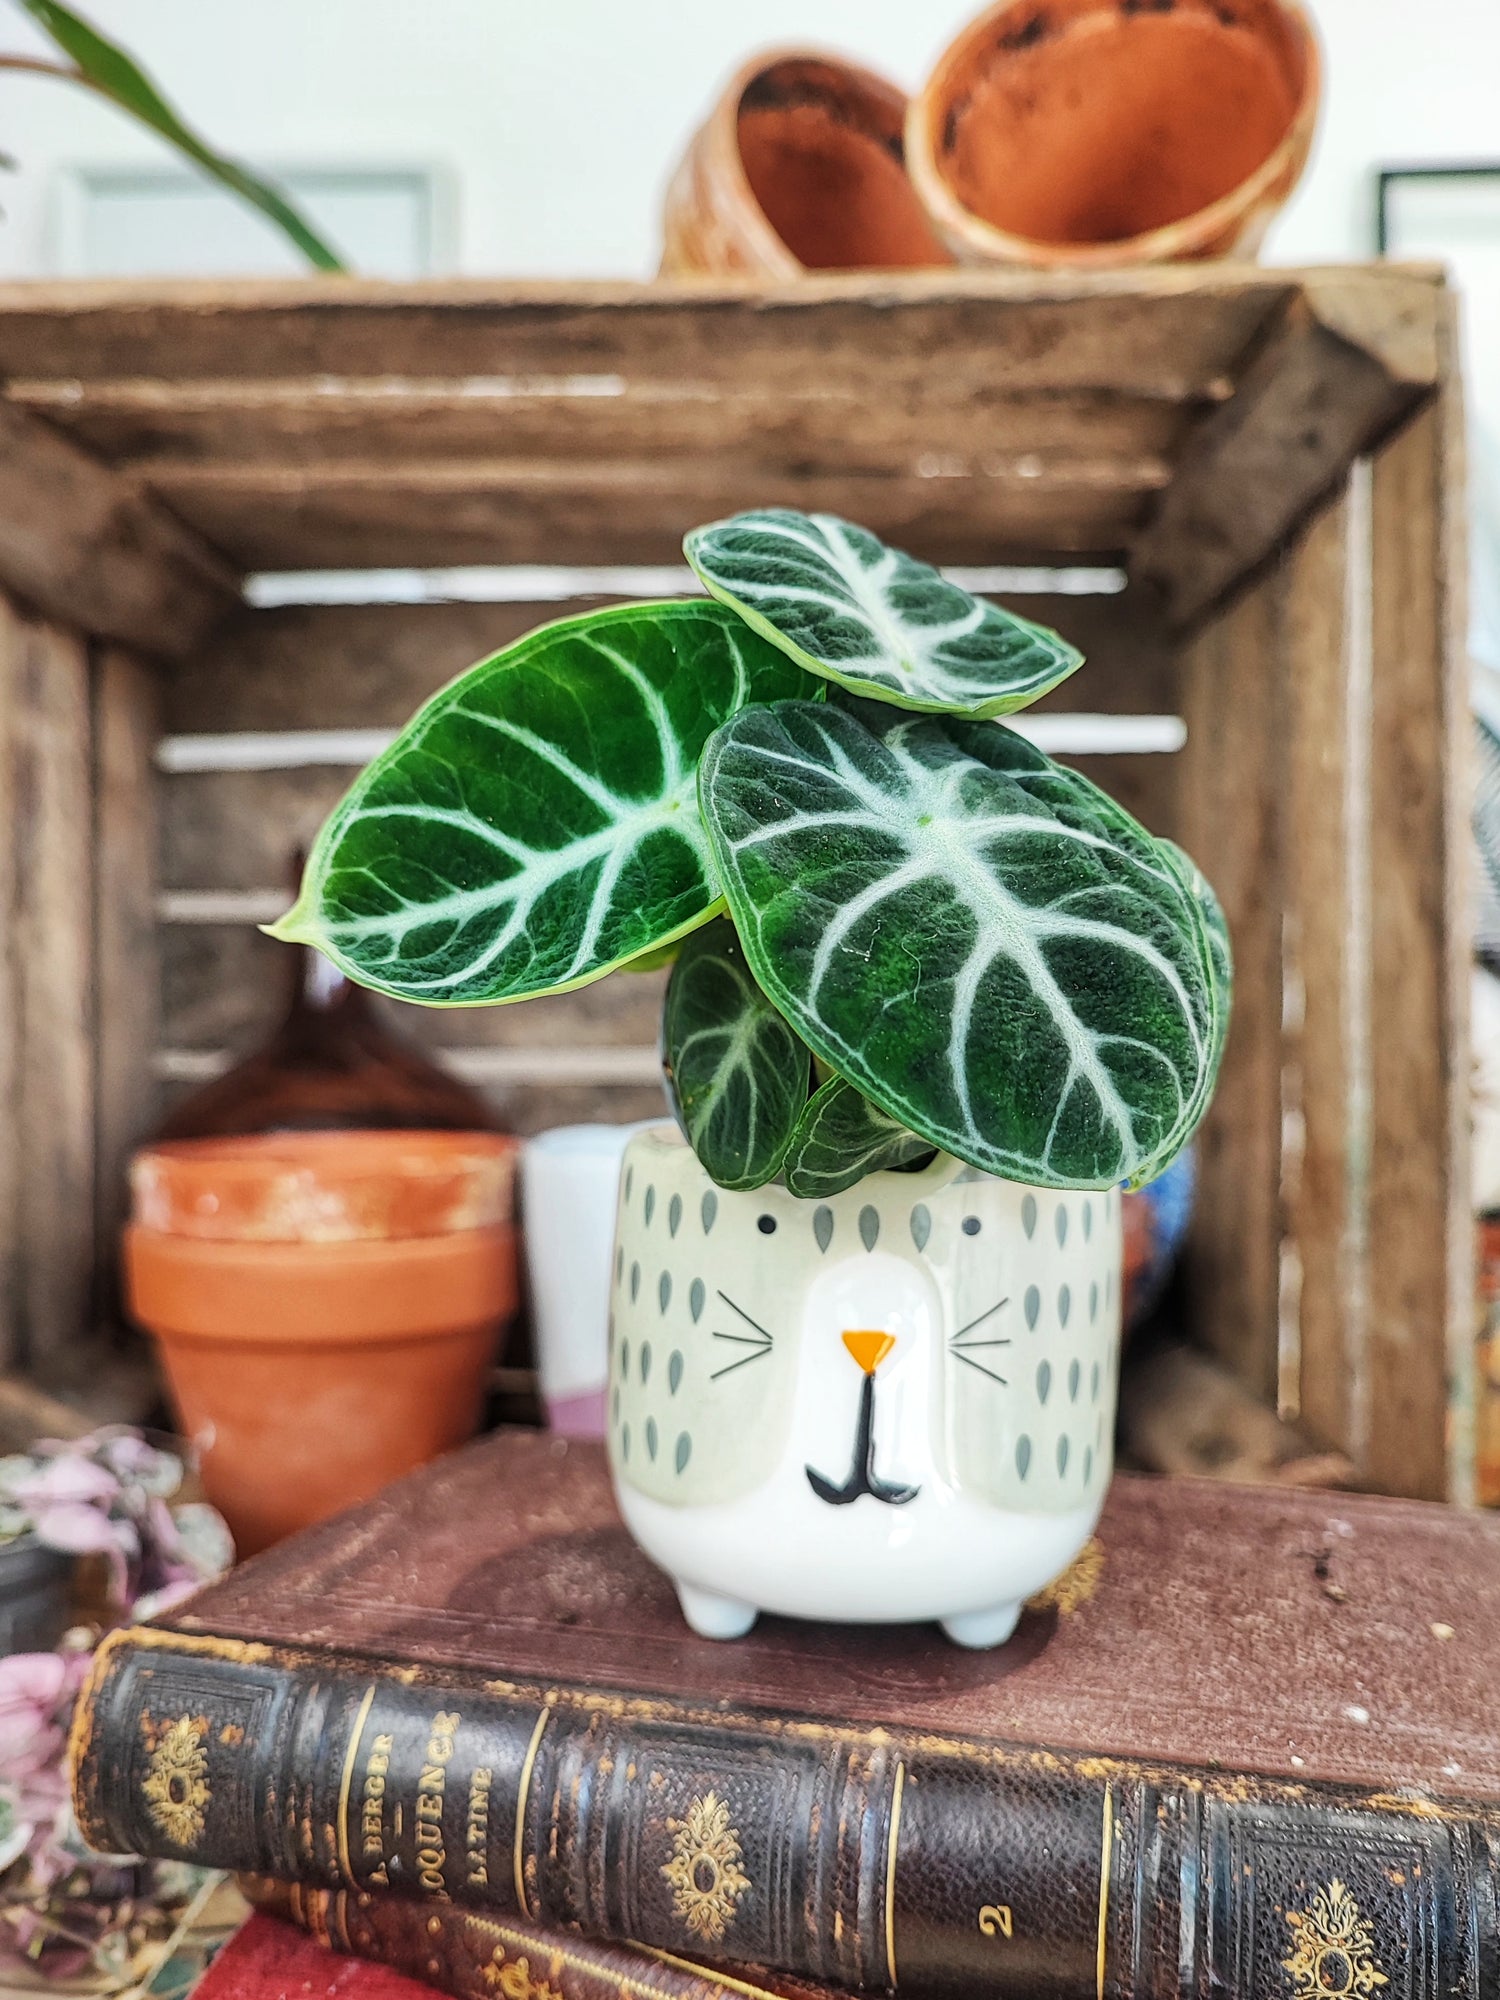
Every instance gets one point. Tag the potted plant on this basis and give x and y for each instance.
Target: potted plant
(935, 1000)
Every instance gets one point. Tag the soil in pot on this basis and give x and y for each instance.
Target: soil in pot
(800, 166)
(1141, 132)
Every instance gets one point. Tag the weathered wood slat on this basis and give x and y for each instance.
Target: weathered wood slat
(1171, 334)
(1422, 1284)
(224, 984)
(347, 516)
(46, 1019)
(1335, 376)
(237, 830)
(370, 666)
(12, 1329)
(528, 1108)
(127, 952)
(1230, 801)
(1325, 1176)
(85, 545)
(157, 424)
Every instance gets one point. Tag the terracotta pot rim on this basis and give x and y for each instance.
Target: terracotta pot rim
(972, 237)
(325, 1186)
(363, 1291)
(719, 134)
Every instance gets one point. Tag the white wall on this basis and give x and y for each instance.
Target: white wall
(558, 119)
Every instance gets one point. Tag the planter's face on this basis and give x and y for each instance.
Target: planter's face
(918, 1338)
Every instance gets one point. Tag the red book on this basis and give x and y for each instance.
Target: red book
(270, 1960)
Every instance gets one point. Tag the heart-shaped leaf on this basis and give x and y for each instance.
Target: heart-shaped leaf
(978, 939)
(736, 1073)
(537, 823)
(841, 1137)
(1220, 964)
(874, 620)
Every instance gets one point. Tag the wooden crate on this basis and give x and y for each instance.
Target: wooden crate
(1270, 457)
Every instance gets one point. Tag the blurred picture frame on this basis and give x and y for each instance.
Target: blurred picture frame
(1450, 211)
(392, 220)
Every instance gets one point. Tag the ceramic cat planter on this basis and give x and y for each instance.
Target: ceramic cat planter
(894, 1405)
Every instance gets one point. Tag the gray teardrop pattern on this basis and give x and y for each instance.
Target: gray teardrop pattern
(708, 1210)
(650, 1205)
(1093, 1301)
(823, 1227)
(683, 1452)
(1064, 1305)
(1062, 1456)
(1075, 1376)
(1094, 1383)
(1043, 1381)
(1088, 1220)
(1088, 1465)
(1023, 1455)
(1033, 1307)
(625, 1443)
(624, 1359)
(696, 1296)
(651, 1437)
(664, 1290)
(674, 1215)
(921, 1225)
(1028, 1216)
(1060, 1224)
(674, 1374)
(645, 1361)
(869, 1226)
(635, 1283)
(629, 1181)
(619, 1262)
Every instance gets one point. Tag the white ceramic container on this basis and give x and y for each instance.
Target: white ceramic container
(894, 1405)
(570, 1179)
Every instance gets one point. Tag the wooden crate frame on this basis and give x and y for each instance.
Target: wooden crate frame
(1274, 457)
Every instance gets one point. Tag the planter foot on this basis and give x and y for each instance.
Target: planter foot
(715, 1617)
(981, 1629)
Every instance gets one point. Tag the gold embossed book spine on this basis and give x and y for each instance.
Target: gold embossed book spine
(874, 1860)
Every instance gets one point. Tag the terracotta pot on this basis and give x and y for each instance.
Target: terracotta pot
(798, 168)
(1108, 132)
(309, 1373)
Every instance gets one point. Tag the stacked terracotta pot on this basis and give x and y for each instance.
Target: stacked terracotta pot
(327, 1306)
(1052, 132)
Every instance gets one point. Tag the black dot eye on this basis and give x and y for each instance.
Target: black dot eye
(767, 1225)
(970, 1225)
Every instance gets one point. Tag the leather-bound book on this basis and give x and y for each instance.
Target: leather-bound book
(1248, 1748)
(474, 1957)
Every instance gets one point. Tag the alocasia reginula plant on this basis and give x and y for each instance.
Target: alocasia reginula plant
(896, 925)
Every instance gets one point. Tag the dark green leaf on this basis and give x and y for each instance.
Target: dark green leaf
(979, 940)
(105, 67)
(537, 823)
(874, 620)
(841, 1137)
(736, 1073)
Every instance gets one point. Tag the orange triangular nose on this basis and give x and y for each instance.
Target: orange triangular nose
(869, 1349)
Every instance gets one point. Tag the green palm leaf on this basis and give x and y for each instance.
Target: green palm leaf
(736, 1073)
(105, 67)
(537, 822)
(874, 620)
(980, 941)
